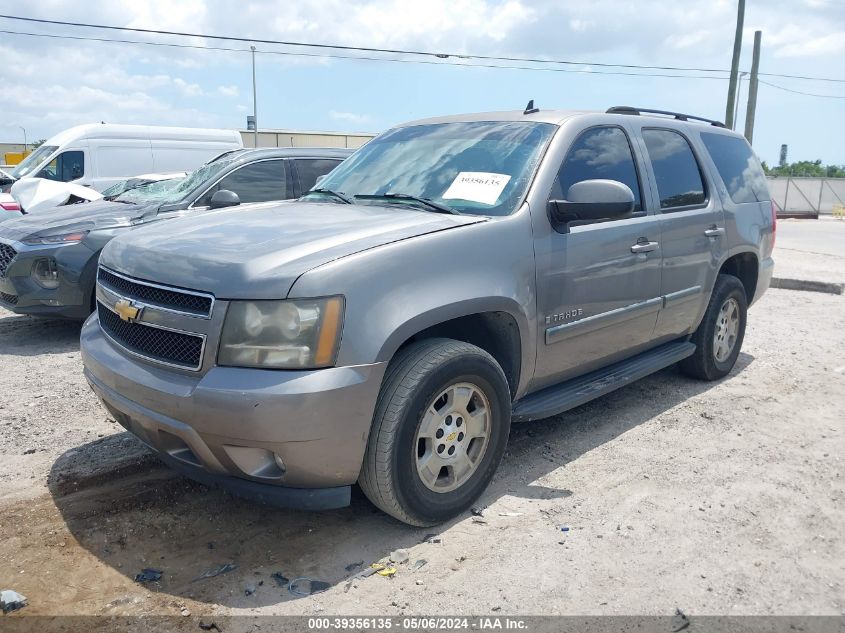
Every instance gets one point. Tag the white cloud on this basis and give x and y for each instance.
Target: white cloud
(228, 91)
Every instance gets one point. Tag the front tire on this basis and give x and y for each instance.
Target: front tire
(719, 337)
(440, 428)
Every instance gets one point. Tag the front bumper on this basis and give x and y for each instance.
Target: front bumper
(292, 438)
(20, 293)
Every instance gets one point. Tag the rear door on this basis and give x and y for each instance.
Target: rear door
(692, 227)
(598, 286)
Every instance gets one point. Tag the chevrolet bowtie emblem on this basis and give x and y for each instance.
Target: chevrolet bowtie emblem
(451, 436)
(126, 311)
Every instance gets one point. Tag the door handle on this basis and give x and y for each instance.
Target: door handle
(644, 247)
(714, 231)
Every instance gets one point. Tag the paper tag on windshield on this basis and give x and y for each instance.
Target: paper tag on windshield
(477, 186)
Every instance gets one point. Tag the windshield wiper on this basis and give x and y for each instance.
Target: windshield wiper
(340, 196)
(426, 202)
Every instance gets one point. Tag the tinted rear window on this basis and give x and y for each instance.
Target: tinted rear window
(679, 180)
(738, 166)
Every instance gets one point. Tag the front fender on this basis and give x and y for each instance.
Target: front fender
(397, 290)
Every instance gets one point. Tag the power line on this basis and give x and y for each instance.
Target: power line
(798, 92)
(359, 57)
(397, 51)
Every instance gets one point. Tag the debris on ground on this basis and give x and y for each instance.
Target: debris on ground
(476, 511)
(149, 575)
(400, 556)
(431, 538)
(383, 570)
(479, 520)
(353, 566)
(211, 573)
(280, 578)
(364, 573)
(679, 621)
(419, 564)
(314, 586)
(11, 601)
(249, 590)
(211, 626)
(564, 528)
(185, 612)
(511, 514)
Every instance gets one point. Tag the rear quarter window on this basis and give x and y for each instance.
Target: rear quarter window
(738, 167)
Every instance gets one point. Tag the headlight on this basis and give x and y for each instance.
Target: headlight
(64, 238)
(293, 334)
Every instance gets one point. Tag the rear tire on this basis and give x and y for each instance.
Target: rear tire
(718, 339)
(440, 428)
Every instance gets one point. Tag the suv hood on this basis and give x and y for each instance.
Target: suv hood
(86, 216)
(258, 252)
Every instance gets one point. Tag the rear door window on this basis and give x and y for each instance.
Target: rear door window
(679, 180)
(738, 167)
(309, 169)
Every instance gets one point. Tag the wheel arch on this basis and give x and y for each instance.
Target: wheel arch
(745, 266)
(496, 326)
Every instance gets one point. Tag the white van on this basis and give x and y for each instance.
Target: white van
(98, 155)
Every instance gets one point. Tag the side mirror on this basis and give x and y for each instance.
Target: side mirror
(320, 179)
(591, 201)
(224, 198)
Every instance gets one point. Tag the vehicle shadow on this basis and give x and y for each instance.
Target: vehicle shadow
(31, 336)
(184, 529)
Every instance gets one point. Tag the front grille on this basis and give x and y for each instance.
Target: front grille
(164, 346)
(10, 299)
(7, 254)
(199, 305)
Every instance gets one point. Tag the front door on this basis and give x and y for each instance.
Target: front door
(598, 286)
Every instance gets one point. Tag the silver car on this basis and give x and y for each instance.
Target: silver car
(452, 276)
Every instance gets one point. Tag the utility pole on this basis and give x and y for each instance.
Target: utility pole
(752, 88)
(729, 109)
(742, 74)
(254, 101)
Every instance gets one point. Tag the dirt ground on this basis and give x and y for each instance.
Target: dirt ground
(716, 498)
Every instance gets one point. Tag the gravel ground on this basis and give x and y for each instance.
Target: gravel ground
(716, 498)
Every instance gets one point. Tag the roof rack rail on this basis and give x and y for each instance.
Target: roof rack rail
(676, 115)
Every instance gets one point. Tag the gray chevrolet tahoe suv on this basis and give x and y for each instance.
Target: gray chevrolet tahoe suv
(452, 276)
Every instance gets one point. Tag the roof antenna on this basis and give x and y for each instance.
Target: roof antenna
(530, 109)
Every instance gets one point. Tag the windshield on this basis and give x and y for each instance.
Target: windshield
(28, 164)
(176, 190)
(116, 189)
(150, 191)
(473, 167)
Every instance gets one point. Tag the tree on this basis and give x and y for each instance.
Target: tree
(38, 143)
(807, 168)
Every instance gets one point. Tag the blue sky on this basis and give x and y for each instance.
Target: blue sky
(51, 84)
